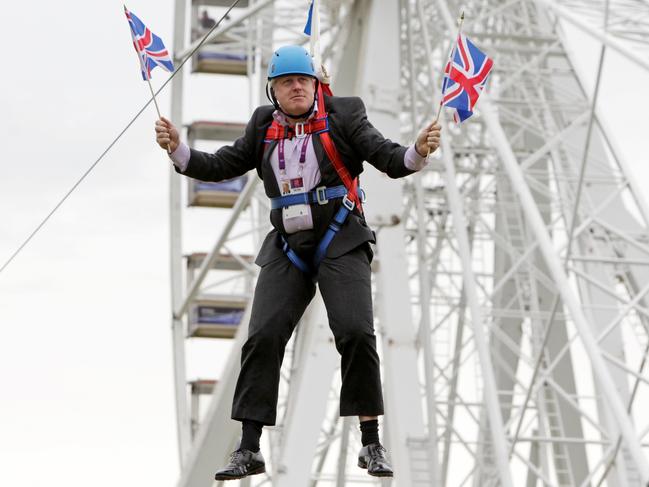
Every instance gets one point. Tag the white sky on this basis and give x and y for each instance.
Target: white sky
(86, 393)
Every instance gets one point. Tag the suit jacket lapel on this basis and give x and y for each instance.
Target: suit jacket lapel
(318, 148)
(270, 181)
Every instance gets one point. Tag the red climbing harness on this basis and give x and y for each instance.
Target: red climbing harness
(320, 126)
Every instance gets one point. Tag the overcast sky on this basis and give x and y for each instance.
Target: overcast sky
(86, 392)
(85, 353)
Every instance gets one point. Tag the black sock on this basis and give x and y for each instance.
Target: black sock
(251, 434)
(370, 432)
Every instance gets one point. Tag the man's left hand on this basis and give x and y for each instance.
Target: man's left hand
(428, 139)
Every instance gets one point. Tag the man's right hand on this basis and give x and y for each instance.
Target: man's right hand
(166, 135)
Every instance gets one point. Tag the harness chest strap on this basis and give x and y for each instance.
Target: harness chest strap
(277, 131)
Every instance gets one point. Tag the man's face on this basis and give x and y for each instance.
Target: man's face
(295, 93)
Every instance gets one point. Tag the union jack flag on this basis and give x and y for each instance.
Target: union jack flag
(149, 47)
(464, 78)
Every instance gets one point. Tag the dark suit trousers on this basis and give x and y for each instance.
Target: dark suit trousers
(281, 296)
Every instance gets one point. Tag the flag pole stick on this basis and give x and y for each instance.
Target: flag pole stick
(315, 35)
(451, 53)
(155, 102)
(316, 52)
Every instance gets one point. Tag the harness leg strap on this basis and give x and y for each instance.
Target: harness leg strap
(295, 259)
(334, 227)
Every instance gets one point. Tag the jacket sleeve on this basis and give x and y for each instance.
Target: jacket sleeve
(228, 162)
(370, 145)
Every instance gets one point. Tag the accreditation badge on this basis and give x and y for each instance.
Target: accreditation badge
(296, 217)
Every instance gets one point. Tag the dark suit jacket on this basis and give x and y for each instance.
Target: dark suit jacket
(356, 140)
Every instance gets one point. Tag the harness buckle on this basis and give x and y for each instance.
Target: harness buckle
(299, 130)
(321, 195)
(347, 203)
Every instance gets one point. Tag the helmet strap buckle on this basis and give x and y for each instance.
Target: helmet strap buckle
(299, 130)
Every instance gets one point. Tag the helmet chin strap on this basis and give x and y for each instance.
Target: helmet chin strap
(270, 94)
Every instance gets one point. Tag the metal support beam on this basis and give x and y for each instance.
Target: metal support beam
(424, 278)
(183, 423)
(342, 455)
(217, 433)
(570, 299)
(496, 428)
(208, 262)
(600, 35)
(376, 26)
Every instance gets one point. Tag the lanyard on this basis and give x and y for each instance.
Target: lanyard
(282, 158)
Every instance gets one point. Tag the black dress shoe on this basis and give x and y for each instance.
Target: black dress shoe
(372, 457)
(242, 463)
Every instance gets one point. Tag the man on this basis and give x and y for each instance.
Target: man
(309, 149)
(206, 21)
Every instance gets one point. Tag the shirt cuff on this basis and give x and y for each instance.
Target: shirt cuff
(180, 157)
(413, 161)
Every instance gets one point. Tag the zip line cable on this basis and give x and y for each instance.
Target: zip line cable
(119, 136)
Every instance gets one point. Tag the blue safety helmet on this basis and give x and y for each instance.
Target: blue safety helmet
(291, 60)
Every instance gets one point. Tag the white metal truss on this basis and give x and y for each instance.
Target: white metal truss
(518, 170)
(510, 274)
